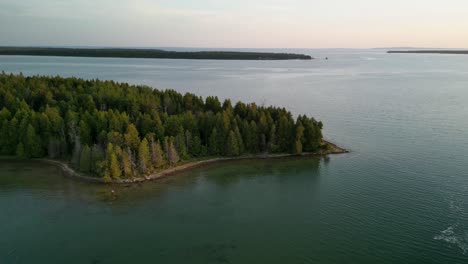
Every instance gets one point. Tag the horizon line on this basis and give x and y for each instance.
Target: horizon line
(204, 47)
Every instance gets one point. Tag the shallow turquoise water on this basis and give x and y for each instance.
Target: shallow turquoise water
(400, 196)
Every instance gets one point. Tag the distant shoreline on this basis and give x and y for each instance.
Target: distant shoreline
(69, 172)
(150, 53)
(464, 52)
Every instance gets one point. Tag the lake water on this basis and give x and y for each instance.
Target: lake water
(400, 196)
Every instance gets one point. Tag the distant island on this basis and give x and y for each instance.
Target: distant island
(430, 51)
(150, 53)
(116, 132)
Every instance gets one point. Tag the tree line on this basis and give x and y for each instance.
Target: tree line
(151, 53)
(116, 130)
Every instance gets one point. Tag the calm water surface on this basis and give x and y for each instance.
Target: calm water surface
(400, 196)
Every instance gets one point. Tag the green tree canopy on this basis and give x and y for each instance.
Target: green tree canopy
(113, 130)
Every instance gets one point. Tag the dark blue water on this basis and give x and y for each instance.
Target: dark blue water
(400, 196)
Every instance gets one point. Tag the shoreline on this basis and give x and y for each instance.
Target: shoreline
(453, 52)
(69, 172)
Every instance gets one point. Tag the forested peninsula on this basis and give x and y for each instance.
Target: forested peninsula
(430, 51)
(150, 53)
(114, 131)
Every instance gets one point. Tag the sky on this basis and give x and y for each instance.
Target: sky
(236, 23)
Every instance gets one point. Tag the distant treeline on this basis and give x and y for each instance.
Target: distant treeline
(150, 53)
(116, 130)
(430, 51)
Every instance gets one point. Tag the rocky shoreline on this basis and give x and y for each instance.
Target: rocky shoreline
(69, 172)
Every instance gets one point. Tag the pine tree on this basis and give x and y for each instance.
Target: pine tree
(285, 133)
(196, 146)
(113, 167)
(10, 137)
(312, 138)
(213, 146)
(157, 155)
(118, 153)
(115, 138)
(297, 147)
(5, 116)
(3, 139)
(232, 147)
(179, 142)
(158, 126)
(173, 156)
(152, 146)
(212, 104)
(188, 141)
(107, 177)
(32, 143)
(263, 144)
(85, 133)
(145, 124)
(252, 138)
(239, 140)
(126, 163)
(143, 157)
(132, 139)
(263, 124)
(227, 106)
(23, 127)
(298, 141)
(272, 147)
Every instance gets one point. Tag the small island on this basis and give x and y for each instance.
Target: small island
(116, 132)
(150, 53)
(430, 51)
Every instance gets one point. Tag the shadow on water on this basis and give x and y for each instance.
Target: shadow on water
(200, 202)
(225, 175)
(26, 178)
(231, 172)
(39, 178)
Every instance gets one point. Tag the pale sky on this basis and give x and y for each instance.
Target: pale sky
(236, 23)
